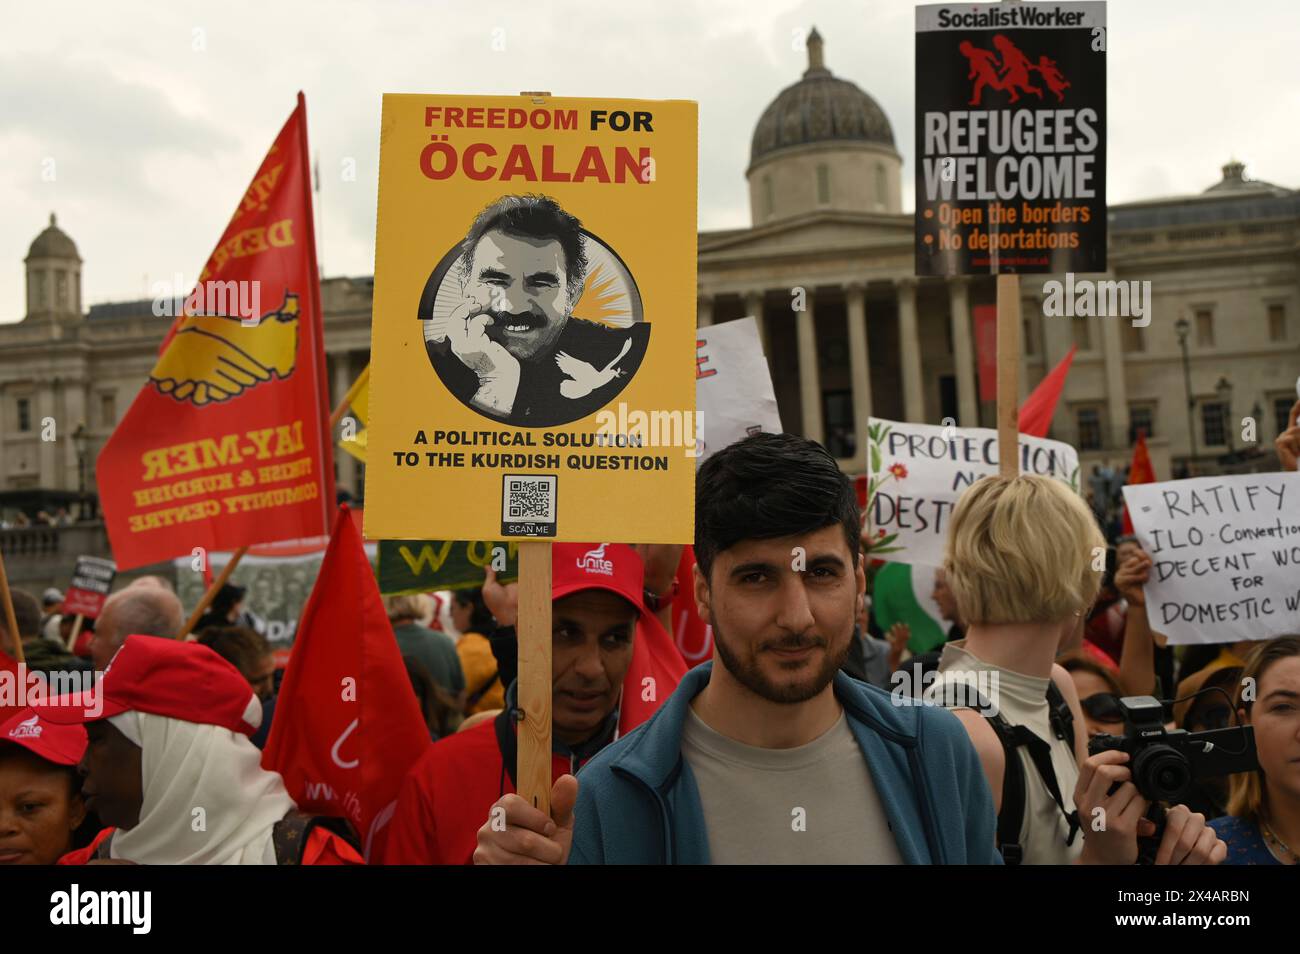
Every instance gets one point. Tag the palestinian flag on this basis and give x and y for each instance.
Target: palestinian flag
(903, 592)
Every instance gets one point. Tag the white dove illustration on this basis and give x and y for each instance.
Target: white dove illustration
(584, 378)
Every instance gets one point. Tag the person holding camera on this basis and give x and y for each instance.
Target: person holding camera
(1019, 561)
(1262, 826)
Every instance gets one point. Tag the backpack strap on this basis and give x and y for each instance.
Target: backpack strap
(1012, 812)
(481, 691)
(1012, 737)
(289, 835)
(508, 744)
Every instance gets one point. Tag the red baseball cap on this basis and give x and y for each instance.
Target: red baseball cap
(60, 744)
(179, 680)
(615, 567)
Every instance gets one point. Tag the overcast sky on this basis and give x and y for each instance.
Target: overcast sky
(156, 114)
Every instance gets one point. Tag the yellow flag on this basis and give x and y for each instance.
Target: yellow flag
(358, 399)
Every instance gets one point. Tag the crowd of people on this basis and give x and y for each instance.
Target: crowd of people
(793, 744)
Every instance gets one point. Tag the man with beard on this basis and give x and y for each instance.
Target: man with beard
(602, 643)
(512, 349)
(769, 754)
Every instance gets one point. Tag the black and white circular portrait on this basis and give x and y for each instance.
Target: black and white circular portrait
(532, 320)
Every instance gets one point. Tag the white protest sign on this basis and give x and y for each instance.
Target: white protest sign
(917, 472)
(733, 389)
(1226, 554)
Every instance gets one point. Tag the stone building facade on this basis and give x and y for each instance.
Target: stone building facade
(828, 229)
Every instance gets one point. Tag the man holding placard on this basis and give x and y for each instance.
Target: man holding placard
(769, 754)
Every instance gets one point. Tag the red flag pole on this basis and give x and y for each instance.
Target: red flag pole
(1009, 375)
(11, 621)
(322, 386)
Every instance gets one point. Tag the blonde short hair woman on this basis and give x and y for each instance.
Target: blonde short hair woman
(1024, 561)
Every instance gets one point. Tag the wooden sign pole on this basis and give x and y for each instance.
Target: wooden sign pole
(533, 628)
(11, 621)
(76, 631)
(1009, 375)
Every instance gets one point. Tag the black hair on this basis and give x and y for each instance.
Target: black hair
(534, 216)
(240, 646)
(771, 485)
(27, 614)
(481, 619)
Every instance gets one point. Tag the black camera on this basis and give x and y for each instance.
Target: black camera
(1167, 763)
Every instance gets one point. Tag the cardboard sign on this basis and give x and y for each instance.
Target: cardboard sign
(92, 579)
(1226, 554)
(534, 320)
(420, 566)
(733, 387)
(1011, 138)
(918, 471)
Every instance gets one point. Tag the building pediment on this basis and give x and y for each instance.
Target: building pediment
(819, 233)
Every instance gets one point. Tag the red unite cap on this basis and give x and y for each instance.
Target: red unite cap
(60, 744)
(179, 680)
(615, 567)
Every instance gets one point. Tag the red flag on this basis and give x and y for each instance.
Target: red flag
(986, 349)
(1037, 411)
(1140, 471)
(656, 669)
(347, 727)
(227, 444)
(691, 634)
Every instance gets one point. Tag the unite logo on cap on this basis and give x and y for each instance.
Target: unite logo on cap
(27, 729)
(593, 561)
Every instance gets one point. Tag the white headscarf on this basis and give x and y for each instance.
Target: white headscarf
(185, 767)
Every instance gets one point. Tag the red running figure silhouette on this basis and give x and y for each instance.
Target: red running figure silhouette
(1052, 77)
(983, 70)
(1015, 69)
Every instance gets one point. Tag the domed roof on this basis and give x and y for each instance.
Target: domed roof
(53, 243)
(819, 108)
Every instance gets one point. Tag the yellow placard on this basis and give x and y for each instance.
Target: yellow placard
(533, 336)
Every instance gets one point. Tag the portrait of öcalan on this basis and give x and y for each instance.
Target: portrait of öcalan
(531, 319)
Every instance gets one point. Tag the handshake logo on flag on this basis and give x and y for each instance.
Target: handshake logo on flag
(216, 357)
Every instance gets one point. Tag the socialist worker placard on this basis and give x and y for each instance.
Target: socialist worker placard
(533, 334)
(1010, 138)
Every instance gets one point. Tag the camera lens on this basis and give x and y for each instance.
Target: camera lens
(1161, 773)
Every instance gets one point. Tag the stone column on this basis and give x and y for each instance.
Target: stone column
(810, 388)
(346, 463)
(859, 364)
(963, 354)
(909, 351)
(1116, 391)
(754, 306)
(47, 452)
(703, 311)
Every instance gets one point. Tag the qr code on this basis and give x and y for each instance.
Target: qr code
(530, 499)
(528, 504)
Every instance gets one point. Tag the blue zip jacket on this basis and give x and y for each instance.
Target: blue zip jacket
(638, 802)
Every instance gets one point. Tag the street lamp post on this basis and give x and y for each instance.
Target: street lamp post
(1182, 326)
(1224, 390)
